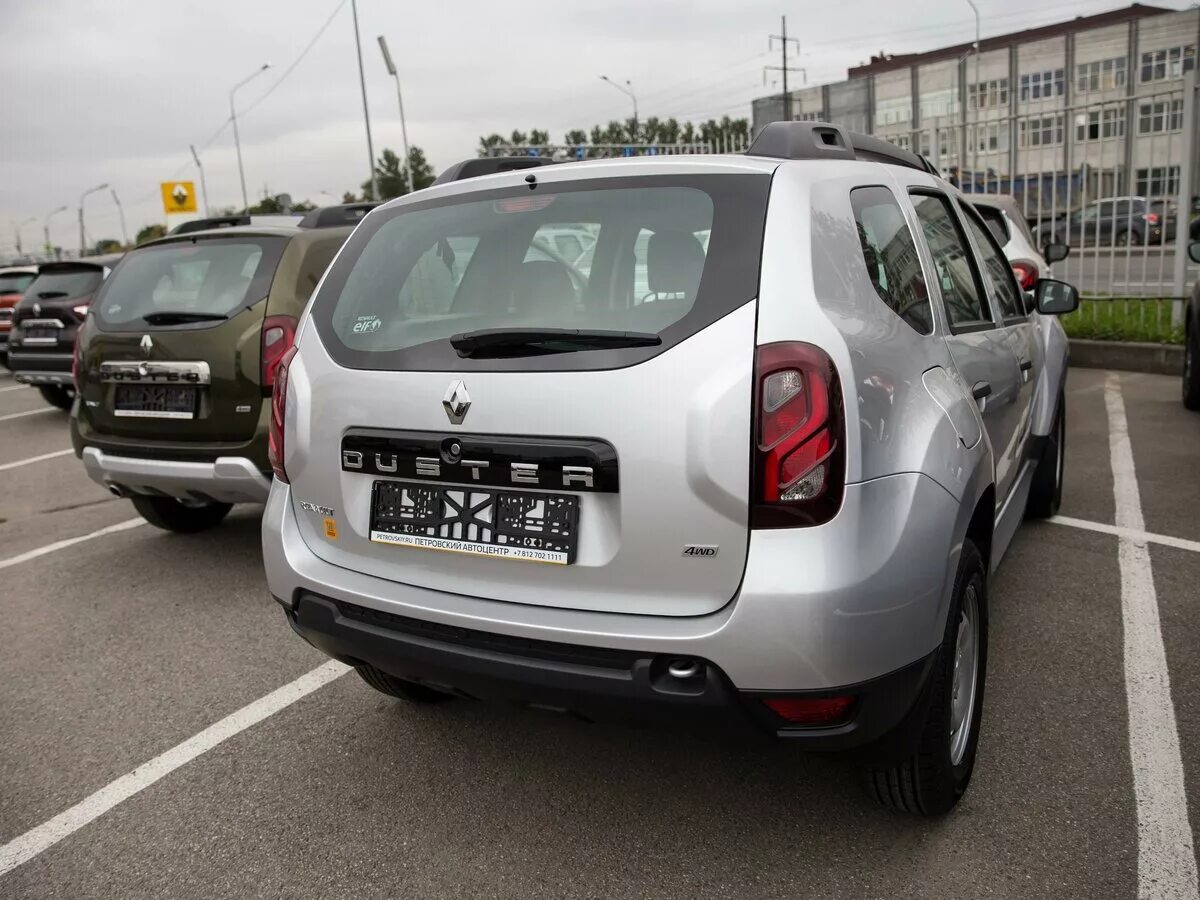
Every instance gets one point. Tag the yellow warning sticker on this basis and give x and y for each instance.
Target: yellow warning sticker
(331, 528)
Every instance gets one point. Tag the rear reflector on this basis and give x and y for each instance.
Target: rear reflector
(810, 710)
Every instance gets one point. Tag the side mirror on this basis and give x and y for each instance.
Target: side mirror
(1054, 298)
(1056, 252)
(1194, 251)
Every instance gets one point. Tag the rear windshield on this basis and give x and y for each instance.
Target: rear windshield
(15, 282)
(61, 284)
(217, 276)
(660, 254)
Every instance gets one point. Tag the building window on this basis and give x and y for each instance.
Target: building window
(947, 143)
(1043, 85)
(988, 94)
(1162, 115)
(1101, 75)
(938, 103)
(991, 137)
(903, 141)
(1157, 181)
(1040, 131)
(1098, 124)
(893, 112)
(810, 117)
(1159, 65)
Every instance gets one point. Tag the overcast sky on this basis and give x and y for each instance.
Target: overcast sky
(114, 92)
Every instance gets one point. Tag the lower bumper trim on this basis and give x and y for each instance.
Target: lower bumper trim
(228, 479)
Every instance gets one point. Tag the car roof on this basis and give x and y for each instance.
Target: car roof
(18, 270)
(291, 232)
(102, 261)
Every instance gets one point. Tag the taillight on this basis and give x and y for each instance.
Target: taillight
(81, 309)
(799, 437)
(1152, 218)
(76, 353)
(1027, 275)
(278, 335)
(278, 408)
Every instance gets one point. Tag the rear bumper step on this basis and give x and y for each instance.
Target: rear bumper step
(595, 684)
(41, 368)
(228, 479)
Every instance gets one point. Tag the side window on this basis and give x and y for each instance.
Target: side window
(998, 273)
(961, 290)
(891, 257)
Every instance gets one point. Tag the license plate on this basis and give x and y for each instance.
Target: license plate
(40, 336)
(503, 524)
(155, 401)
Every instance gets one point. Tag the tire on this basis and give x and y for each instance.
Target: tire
(399, 687)
(57, 396)
(935, 774)
(1124, 238)
(1045, 494)
(170, 514)
(1191, 368)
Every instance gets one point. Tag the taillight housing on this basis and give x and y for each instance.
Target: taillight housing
(1027, 275)
(278, 336)
(799, 437)
(1151, 218)
(278, 410)
(76, 356)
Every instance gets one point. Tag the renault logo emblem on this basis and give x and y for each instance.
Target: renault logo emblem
(146, 344)
(456, 402)
(37, 309)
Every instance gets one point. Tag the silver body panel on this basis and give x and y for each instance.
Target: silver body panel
(786, 609)
(230, 479)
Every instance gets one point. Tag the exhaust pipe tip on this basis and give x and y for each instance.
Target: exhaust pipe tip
(116, 490)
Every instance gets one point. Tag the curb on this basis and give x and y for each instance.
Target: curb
(1157, 359)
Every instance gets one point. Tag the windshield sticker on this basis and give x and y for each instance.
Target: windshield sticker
(367, 324)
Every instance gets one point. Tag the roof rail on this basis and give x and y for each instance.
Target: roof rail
(822, 140)
(206, 224)
(333, 216)
(490, 165)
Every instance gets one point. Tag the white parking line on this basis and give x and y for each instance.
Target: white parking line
(29, 412)
(24, 462)
(37, 840)
(1166, 858)
(1144, 537)
(14, 387)
(69, 542)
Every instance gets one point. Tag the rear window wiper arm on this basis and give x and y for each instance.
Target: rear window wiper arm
(536, 341)
(51, 295)
(179, 318)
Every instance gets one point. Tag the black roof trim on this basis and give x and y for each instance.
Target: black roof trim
(336, 216)
(490, 165)
(206, 224)
(822, 140)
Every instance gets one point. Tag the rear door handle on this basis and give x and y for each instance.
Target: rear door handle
(981, 390)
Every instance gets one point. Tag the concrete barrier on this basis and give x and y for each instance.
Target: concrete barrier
(1158, 359)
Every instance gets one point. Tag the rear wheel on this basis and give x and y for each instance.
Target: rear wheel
(1124, 238)
(1191, 368)
(400, 687)
(1045, 494)
(57, 396)
(935, 774)
(170, 514)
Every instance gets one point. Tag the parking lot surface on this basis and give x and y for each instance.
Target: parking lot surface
(126, 644)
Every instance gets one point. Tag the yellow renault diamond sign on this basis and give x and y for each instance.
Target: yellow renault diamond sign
(179, 197)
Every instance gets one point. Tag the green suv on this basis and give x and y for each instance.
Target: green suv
(175, 363)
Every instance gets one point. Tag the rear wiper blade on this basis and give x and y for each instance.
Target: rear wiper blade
(535, 341)
(50, 295)
(180, 318)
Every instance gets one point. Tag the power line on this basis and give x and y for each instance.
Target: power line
(303, 53)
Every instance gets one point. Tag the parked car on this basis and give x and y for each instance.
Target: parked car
(1191, 341)
(1002, 214)
(46, 320)
(1119, 221)
(13, 282)
(175, 364)
(769, 493)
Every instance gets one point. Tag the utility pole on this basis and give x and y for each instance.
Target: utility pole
(236, 140)
(362, 81)
(203, 186)
(46, 227)
(783, 42)
(391, 67)
(121, 212)
(82, 233)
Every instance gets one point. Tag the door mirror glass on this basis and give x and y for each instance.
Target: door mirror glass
(1055, 252)
(1194, 251)
(1056, 297)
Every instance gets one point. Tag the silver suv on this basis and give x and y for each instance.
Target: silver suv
(751, 468)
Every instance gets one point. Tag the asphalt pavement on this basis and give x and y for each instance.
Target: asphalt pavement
(123, 646)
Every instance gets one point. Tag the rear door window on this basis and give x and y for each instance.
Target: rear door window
(890, 255)
(962, 291)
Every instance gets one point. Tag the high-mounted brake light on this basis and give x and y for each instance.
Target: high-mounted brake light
(799, 437)
(278, 335)
(278, 410)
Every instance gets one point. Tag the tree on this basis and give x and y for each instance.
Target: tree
(271, 205)
(393, 177)
(108, 245)
(422, 171)
(150, 233)
(348, 197)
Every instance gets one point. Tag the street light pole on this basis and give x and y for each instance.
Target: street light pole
(362, 82)
(46, 225)
(203, 186)
(627, 91)
(121, 212)
(236, 140)
(391, 67)
(975, 143)
(82, 238)
(18, 229)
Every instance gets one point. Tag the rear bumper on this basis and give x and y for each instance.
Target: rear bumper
(41, 368)
(228, 479)
(591, 683)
